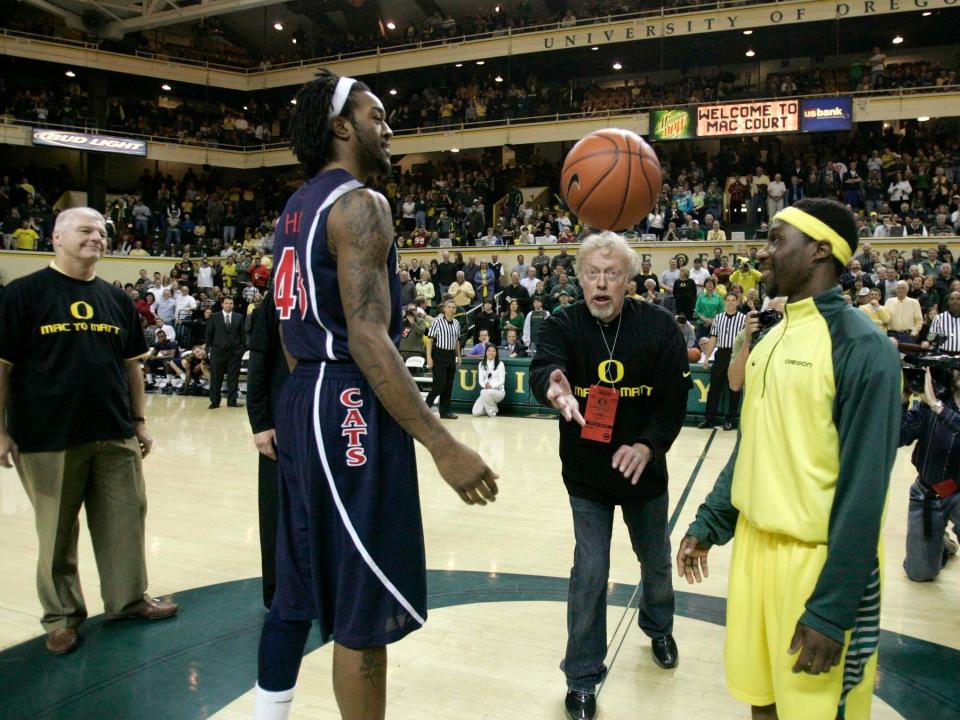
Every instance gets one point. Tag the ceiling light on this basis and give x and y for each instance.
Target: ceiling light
(293, 40)
(278, 25)
(750, 53)
(748, 32)
(391, 25)
(481, 62)
(459, 65)
(496, 8)
(293, 102)
(498, 78)
(595, 47)
(393, 91)
(244, 107)
(923, 118)
(166, 87)
(70, 73)
(927, 13)
(454, 149)
(617, 66)
(897, 40)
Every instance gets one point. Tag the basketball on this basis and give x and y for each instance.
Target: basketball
(693, 354)
(611, 179)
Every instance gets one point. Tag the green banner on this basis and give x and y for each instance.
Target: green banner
(519, 400)
(674, 124)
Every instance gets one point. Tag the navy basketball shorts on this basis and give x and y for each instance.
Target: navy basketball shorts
(350, 537)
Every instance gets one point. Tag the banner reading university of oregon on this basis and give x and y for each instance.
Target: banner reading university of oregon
(672, 124)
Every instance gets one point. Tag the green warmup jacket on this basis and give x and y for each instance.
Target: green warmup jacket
(818, 438)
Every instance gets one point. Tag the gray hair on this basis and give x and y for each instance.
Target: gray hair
(67, 216)
(903, 283)
(609, 243)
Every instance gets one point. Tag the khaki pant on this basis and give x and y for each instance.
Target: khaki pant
(107, 478)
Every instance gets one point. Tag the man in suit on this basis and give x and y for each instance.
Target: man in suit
(224, 341)
(266, 374)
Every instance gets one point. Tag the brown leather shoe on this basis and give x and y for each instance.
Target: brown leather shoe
(63, 640)
(153, 609)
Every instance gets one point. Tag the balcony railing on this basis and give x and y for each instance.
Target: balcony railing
(89, 126)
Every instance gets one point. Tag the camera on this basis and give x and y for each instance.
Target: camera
(768, 318)
(941, 367)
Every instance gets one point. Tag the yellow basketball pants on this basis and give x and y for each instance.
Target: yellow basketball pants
(771, 578)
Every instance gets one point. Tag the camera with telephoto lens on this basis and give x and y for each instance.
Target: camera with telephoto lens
(941, 367)
(768, 318)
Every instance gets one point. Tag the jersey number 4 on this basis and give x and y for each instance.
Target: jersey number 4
(289, 293)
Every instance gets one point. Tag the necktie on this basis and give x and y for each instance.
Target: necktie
(227, 316)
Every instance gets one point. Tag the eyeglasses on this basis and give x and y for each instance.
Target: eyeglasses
(611, 276)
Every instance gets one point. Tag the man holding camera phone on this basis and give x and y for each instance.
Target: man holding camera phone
(805, 488)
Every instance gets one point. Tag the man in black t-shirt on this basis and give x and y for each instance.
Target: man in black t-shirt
(618, 368)
(70, 346)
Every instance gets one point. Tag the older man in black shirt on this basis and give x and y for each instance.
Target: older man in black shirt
(71, 418)
(617, 371)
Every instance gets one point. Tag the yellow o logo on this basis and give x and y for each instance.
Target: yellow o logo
(81, 310)
(602, 371)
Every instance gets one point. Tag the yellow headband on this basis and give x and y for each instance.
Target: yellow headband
(816, 229)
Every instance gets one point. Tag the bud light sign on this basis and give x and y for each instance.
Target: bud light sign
(671, 125)
(826, 114)
(88, 141)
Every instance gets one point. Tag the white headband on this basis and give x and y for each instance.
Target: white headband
(340, 96)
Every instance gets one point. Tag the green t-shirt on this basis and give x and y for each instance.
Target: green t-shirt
(707, 307)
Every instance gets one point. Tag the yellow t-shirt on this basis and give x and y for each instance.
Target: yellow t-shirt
(26, 238)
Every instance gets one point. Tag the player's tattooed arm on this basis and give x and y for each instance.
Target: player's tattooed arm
(360, 232)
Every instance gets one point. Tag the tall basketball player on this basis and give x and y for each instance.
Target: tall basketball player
(350, 541)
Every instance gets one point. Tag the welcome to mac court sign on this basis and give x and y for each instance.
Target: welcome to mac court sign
(783, 13)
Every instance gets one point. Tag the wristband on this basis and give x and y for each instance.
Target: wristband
(937, 407)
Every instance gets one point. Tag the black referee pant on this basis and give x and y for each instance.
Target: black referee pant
(719, 384)
(444, 369)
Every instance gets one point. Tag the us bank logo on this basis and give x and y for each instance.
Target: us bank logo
(826, 114)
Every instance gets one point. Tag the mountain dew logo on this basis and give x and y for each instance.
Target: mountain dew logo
(670, 125)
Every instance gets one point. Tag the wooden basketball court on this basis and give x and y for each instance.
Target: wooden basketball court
(496, 629)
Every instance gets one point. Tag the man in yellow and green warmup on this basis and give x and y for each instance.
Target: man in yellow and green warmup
(805, 489)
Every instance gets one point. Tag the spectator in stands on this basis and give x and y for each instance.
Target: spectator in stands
(426, 289)
(532, 323)
(709, 305)
(685, 293)
(491, 378)
(462, 292)
(484, 281)
(511, 345)
(776, 196)
(476, 350)
(747, 277)
(869, 299)
(906, 315)
(408, 289)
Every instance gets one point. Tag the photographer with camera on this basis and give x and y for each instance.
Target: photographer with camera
(757, 322)
(411, 337)
(935, 496)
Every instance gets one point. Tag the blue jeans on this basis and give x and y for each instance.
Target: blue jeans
(925, 555)
(587, 597)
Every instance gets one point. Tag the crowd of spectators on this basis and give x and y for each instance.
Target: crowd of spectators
(899, 184)
(477, 100)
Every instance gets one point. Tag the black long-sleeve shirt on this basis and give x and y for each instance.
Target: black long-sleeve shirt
(266, 368)
(937, 453)
(652, 374)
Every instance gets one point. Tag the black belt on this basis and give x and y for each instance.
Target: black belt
(443, 350)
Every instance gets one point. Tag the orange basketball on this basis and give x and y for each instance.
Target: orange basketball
(611, 179)
(693, 354)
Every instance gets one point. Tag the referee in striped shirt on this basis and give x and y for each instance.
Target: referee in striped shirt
(723, 332)
(443, 356)
(947, 323)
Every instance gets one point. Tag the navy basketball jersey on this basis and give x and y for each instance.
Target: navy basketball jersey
(305, 287)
